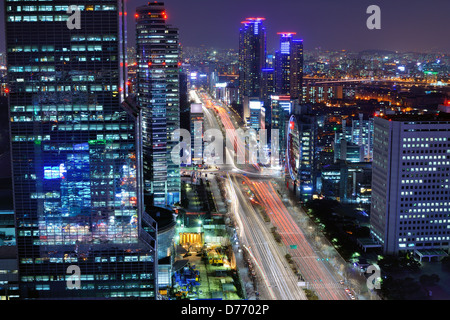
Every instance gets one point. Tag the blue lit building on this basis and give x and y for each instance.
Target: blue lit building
(252, 58)
(76, 155)
(289, 66)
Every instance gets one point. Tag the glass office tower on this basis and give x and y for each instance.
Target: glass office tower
(76, 154)
(289, 66)
(252, 57)
(158, 96)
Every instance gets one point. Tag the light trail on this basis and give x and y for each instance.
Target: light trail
(313, 270)
(254, 233)
(273, 266)
(261, 271)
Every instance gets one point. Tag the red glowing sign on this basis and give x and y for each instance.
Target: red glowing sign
(249, 20)
(287, 34)
(292, 125)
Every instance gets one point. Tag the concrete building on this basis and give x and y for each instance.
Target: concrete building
(410, 184)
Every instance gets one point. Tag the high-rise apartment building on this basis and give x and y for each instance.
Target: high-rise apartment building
(289, 66)
(158, 95)
(75, 154)
(267, 86)
(410, 183)
(252, 57)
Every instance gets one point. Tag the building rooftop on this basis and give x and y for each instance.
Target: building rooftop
(441, 116)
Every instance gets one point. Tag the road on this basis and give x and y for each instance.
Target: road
(281, 283)
(278, 282)
(319, 275)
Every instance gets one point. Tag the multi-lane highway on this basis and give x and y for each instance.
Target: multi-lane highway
(278, 282)
(319, 276)
(255, 235)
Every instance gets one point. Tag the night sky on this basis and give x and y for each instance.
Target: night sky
(406, 25)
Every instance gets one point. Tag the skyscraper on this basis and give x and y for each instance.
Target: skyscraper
(410, 183)
(362, 135)
(281, 107)
(252, 58)
(307, 170)
(289, 66)
(196, 129)
(75, 155)
(158, 96)
(267, 86)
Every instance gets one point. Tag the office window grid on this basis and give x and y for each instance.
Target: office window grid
(74, 154)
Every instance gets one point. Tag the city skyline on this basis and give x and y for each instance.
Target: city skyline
(405, 25)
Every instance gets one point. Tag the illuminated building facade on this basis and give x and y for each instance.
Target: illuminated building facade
(410, 183)
(76, 155)
(362, 135)
(307, 127)
(252, 57)
(300, 135)
(158, 96)
(196, 126)
(267, 87)
(280, 110)
(257, 115)
(322, 93)
(348, 151)
(289, 66)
